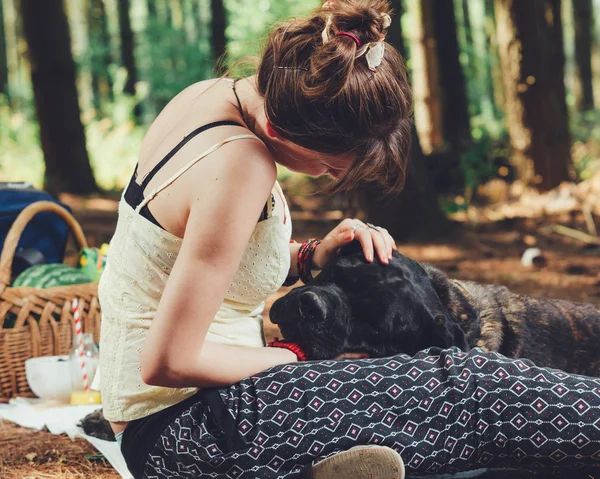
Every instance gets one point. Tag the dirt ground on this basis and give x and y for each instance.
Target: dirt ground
(490, 253)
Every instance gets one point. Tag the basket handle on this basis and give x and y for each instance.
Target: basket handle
(14, 234)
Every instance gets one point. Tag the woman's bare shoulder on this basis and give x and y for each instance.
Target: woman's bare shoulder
(196, 89)
(193, 106)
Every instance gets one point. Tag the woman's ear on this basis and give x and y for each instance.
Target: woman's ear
(271, 131)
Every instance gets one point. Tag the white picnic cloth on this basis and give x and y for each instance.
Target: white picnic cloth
(59, 419)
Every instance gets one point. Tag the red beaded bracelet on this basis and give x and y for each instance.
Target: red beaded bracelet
(305, 256)
(293, 347)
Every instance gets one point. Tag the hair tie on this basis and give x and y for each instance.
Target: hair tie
(351, 35)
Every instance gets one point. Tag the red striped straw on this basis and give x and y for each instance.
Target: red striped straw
(79, 335)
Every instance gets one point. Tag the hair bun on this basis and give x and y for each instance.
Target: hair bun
(367, 19)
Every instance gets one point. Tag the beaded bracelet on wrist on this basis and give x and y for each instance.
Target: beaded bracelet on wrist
(293, 347)
(305, 256)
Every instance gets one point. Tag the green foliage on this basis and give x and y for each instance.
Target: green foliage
(476, 165)
(173, 50)
(20, 154)
(168, 66)
(585, 131)
(251, 21)
(484, 125)
(474, 36)
(114, 140)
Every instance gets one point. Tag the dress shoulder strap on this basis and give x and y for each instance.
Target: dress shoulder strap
(182, 170)
(180, 145)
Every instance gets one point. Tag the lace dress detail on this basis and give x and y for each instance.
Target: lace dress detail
(141, 258)
(142, 255)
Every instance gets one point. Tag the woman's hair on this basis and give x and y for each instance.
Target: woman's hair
(320, 95)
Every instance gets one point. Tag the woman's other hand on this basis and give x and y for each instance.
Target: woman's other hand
(374, 239)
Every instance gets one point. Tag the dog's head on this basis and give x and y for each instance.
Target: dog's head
(356, 306)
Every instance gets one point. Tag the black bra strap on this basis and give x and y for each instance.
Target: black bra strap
(180, 145)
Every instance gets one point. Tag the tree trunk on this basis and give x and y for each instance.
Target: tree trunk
(218, 38)
(151, 5)
(426, 87)
(53, 78)
(455, 108)
(415, 212)
(472, 62)
(191, 11)
(494, 74)
(530, 45)
(166, 9)
(127, 46)
(395, 36)
(467, 22)
(177, 16)
(101, 57)
(583, 21)
(13, 35)
(3, 57)
(197, 18)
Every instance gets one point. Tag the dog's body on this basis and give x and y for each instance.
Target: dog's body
(551, 332)
(405, 307)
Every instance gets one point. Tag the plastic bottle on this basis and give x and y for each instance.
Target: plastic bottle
(81, 393)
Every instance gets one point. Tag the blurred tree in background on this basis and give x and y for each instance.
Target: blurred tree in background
(426, 80)
(53, 78)
(100, 58)
(3, 59)
(127, 47)
(417, 204)
(583, 26)
(531, 50)
(218, 37)
(504, 89)
(455, 107)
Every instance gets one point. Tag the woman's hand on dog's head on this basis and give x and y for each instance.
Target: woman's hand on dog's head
(373, 239)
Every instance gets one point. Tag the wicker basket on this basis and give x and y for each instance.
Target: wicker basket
(44, 321)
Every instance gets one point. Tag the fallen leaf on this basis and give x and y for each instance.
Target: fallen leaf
(31, 456)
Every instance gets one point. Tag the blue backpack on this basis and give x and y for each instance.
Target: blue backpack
(44, 239)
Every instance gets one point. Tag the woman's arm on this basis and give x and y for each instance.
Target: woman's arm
(217, 365)
(224, 208)
(294, 248)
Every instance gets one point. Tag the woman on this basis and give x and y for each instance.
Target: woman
(203, 238)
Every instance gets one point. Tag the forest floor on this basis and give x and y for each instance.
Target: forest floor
(488, 253)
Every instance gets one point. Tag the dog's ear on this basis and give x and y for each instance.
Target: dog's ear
(441, 283)
(447, 330)
(311, 307)
(456, 304)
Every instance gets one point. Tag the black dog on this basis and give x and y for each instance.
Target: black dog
(405, 307)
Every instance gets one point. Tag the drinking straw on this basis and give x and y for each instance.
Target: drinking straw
(79, 336)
